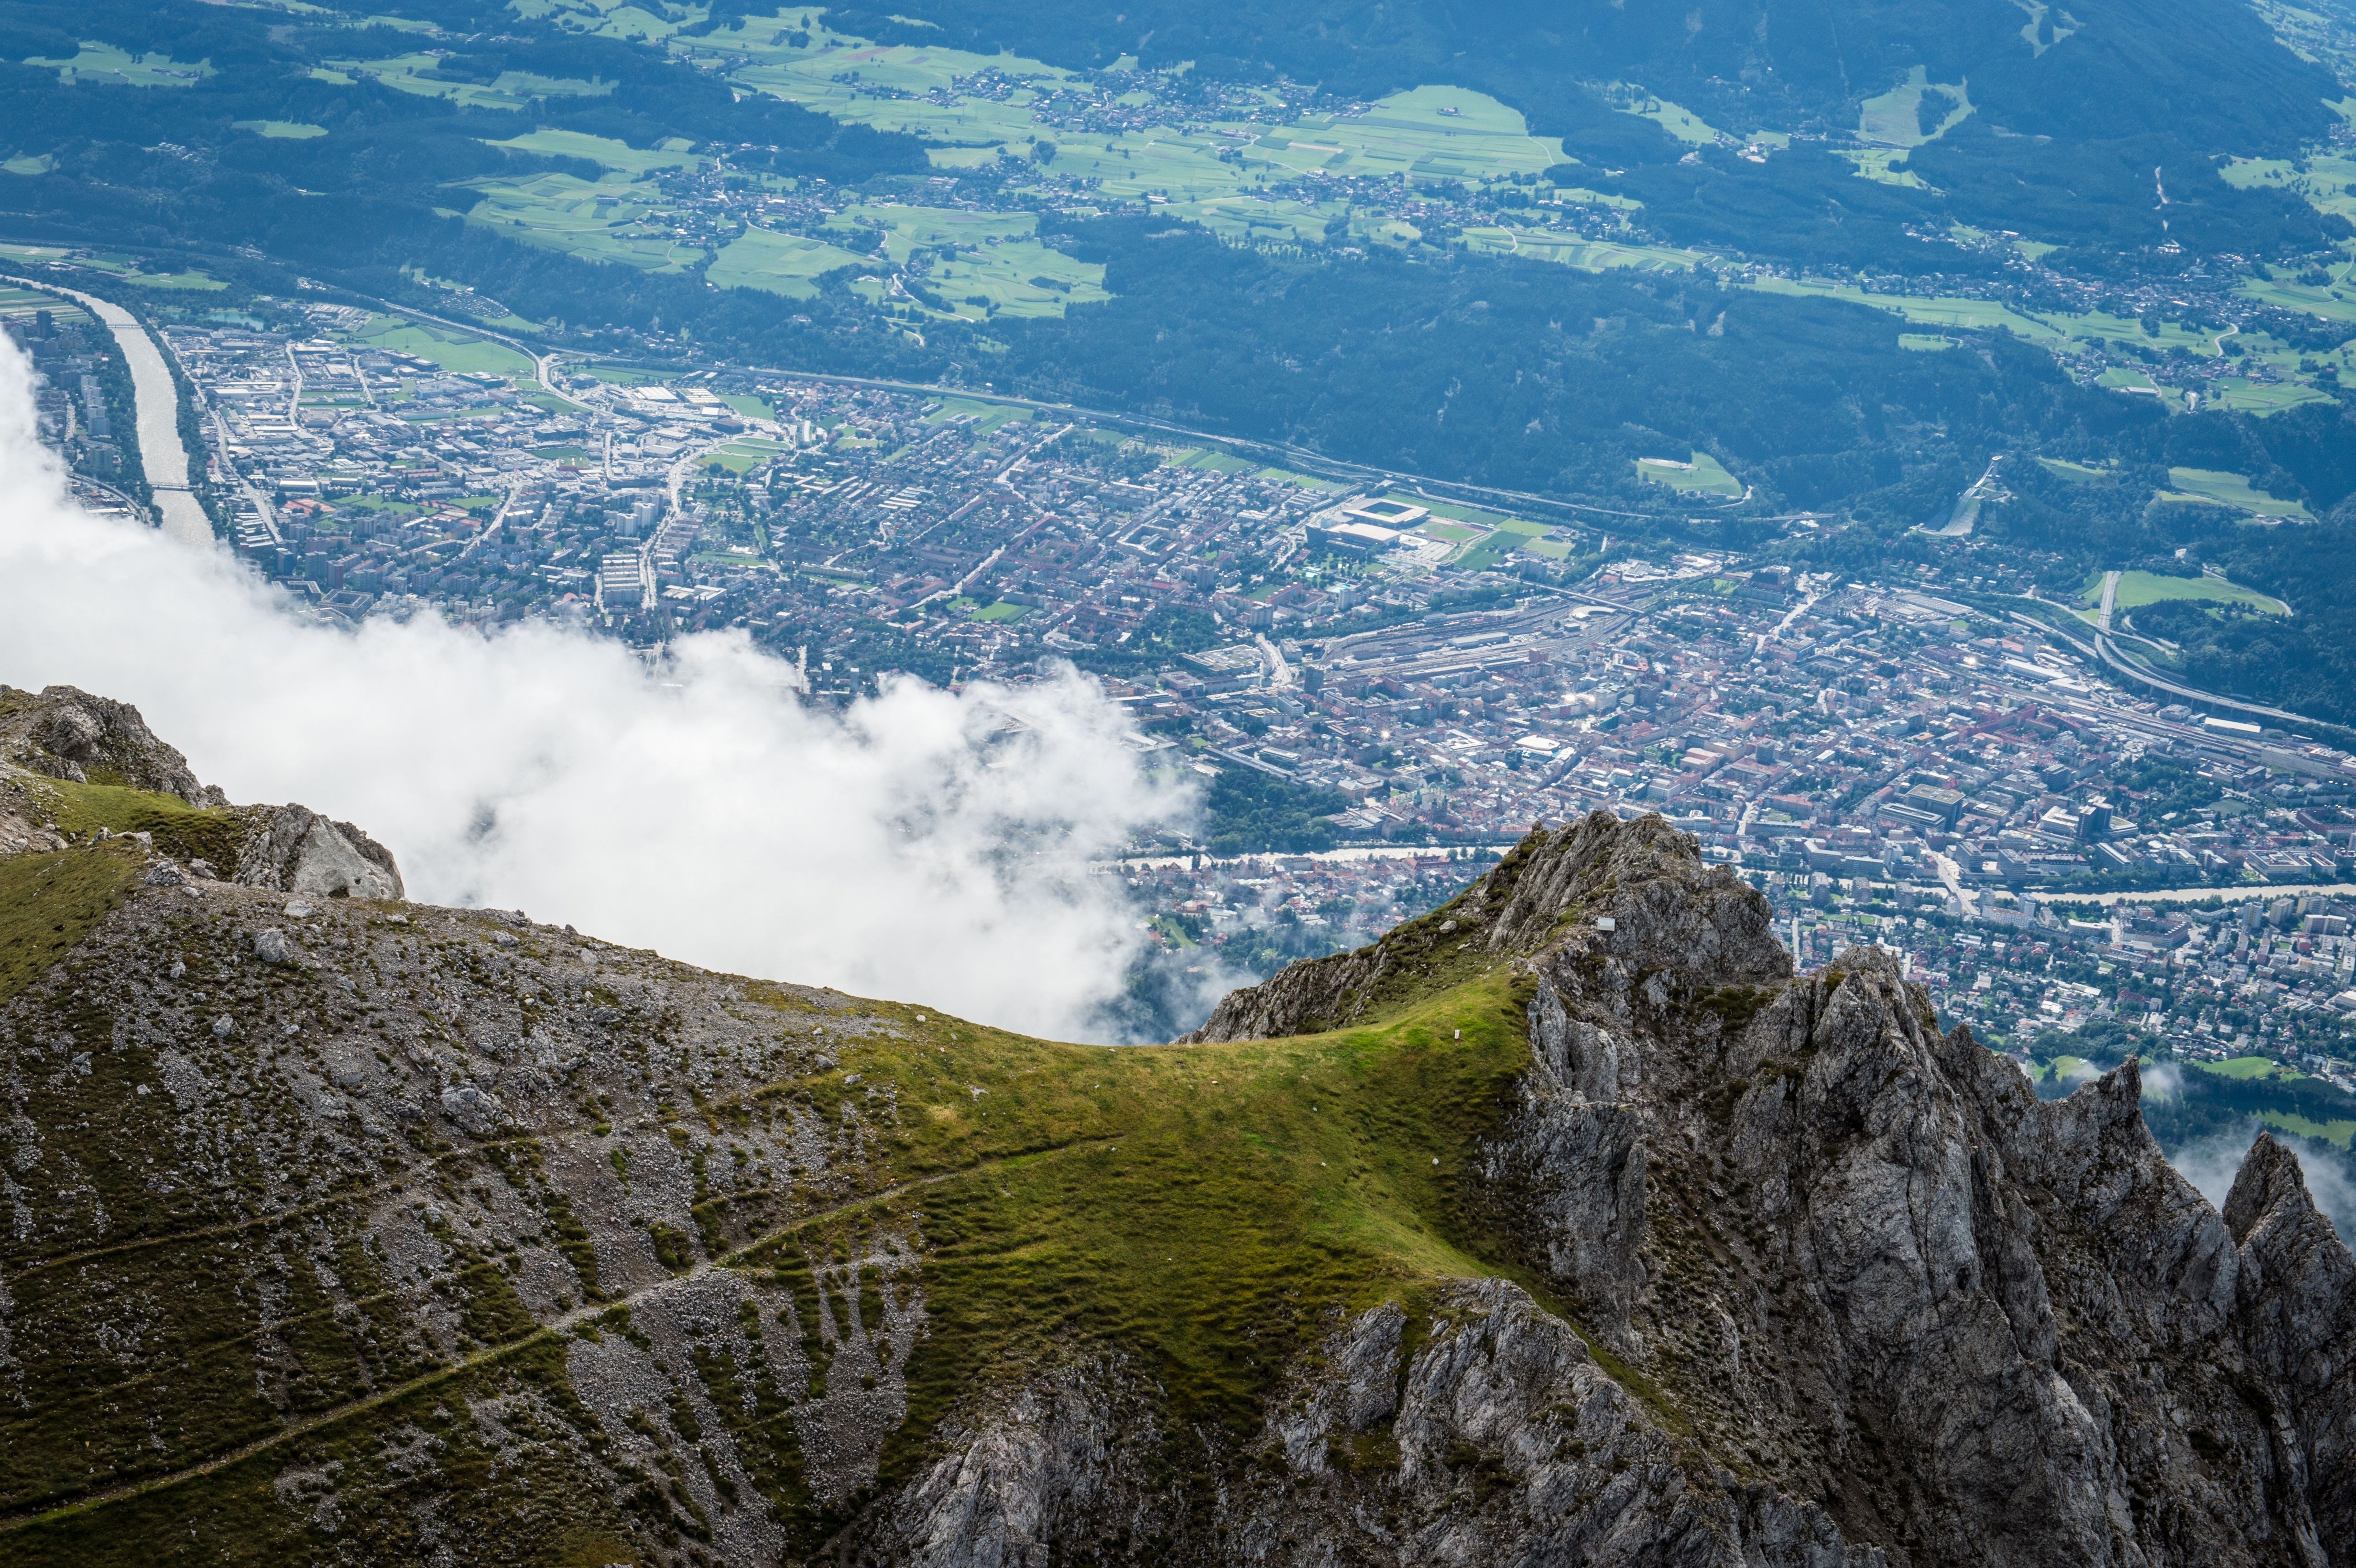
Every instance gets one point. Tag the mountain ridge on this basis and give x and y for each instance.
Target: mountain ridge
(1583, 1229)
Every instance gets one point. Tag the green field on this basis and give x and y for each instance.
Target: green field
(1507, 533)
(2333, 1132)
(2325, 181)
(606, 152)
(2222, 489)
(778, 263)
(2091, 328)
(1884, 165)
(104, 64)
(1219, 174)
(20, 301)
(1428, 131)
(986, 417)
(1924, 342)
(127, 269)
(610, 18)
(1942, 310)
(454, 351)
(2261, 398)
(1002, 611)
(1217, 463)
(1571, 250)
(2248, 1067)
(994, 255)
(2076, 473)
(1893, 118)
(198, 282)
(2137, 589)
(2335, 301)
(407, 73)
(610, 219)
(281, 130)
(623, 376)
(1701, 474)
(744, 457)
(1677, 119)
(1208, 172)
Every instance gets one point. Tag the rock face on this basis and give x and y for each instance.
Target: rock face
(66, 733)
(343, 1231)
(294, 850)
(1861, 1257)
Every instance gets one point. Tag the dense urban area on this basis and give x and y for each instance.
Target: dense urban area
(1379, 688)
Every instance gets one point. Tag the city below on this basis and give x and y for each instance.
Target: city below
(1380, 686)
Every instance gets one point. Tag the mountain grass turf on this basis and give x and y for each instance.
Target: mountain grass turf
(179, 830)
(1207, 1212)
(1203, 1205)
(50, 903)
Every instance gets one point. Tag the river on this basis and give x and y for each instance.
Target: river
(160, 451)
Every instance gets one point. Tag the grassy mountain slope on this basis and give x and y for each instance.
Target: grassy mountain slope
(417, 1179)
(369, 1233)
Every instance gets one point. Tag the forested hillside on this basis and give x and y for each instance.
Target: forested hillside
(2071, 110)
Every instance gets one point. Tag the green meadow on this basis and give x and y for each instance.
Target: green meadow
(1700, 475)
(1894, 118)
(104, 64)
(412, 74)
(611, 219)
(2137, 589)
(778, 263)
(281, 130)
(2222, 489)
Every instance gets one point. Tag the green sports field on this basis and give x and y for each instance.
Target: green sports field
(454, 351)
(1700, 475)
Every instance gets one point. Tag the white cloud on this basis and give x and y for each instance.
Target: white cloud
(923, 845)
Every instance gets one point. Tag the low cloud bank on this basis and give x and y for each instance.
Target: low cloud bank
(923, 846)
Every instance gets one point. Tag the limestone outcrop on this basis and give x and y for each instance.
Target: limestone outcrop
(294, 850)
(345, 1229)
(1860, 1258)
(66, 733)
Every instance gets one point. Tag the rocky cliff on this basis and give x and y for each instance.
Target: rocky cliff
(119, 775)
(1564, 1225)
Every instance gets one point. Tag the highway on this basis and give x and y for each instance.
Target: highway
(2106, 652)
